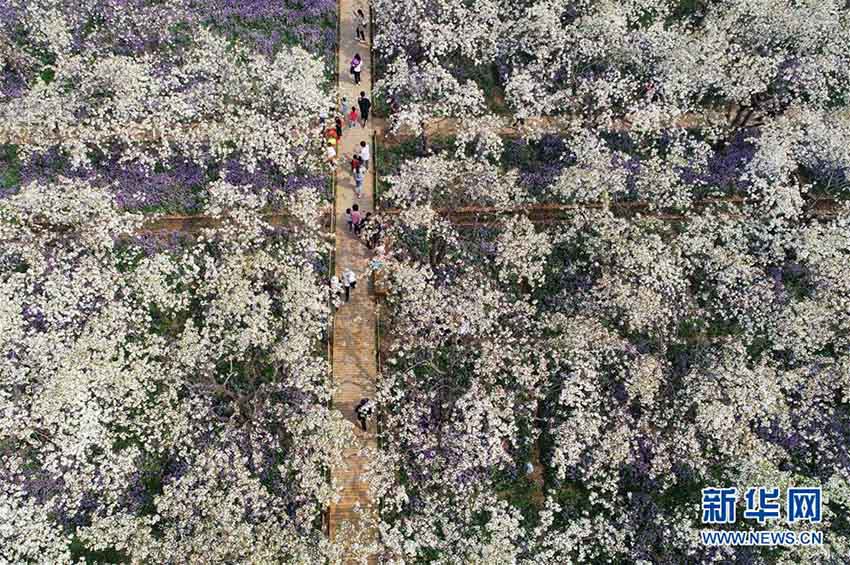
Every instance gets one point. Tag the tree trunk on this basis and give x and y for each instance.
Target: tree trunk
(423, 139)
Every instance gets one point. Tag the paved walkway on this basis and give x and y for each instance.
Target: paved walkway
(354, 347)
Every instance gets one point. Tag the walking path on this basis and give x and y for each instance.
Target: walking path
(354, 347)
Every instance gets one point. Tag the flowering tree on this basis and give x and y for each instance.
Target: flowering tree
(635, 361)
(219, 103)
(650, 60)
(165, 404)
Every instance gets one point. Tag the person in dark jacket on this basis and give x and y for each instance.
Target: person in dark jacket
(365, 105)
(364, 410)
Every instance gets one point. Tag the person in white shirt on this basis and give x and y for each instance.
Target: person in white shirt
(349, 282)
(356, 69)
(365, 154)
(336, 292)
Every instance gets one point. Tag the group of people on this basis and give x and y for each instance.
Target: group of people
(356, 220)
(364, 225)
(342, 288)
(350, 114)
(359, 166)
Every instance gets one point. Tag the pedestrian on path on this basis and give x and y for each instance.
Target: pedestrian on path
(356, 67)
(356, 161)
(365, 105)
(360, 25)
(352, 117)
(356, 217)
(358, 182)
(349, 220)
(331, 134)
(343, 107)
(330, 154)
(364, 410)
(349, 282)
(365, 155)
(338, 127)
(336, 292)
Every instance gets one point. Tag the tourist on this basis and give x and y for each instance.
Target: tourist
(360, 25)
(355, 218)
(354, 62)
(343, 107)
(330, 153)
(349, 282)
(331, 134)
(336, 292)
(338, 127)
(358, 182)
(365, 155)
(364, 410)
(356, 161)
(356, 67)
(349, 220)
(352, 117)
(365, 104)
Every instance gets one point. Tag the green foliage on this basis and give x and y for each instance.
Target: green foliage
(47, 75)
(10, 167)
(80, 551)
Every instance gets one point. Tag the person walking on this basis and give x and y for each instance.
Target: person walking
(349, 220)
(336, 292)
(331, 134)
(358, 182)
(356, 161)
(352, 117)
(365, 155)
(360, 25)
(356, 67)
(364, 410)
(355, 218)
(365, 105)
(330, 154)
(344, 107)
(338, 127)
(354, 62)
(349, 283)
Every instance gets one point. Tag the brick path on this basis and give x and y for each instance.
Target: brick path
(354, 347)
